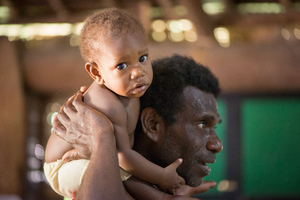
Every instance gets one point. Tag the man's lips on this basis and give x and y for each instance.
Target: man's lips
(204, 168)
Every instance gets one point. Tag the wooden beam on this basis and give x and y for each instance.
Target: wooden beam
(59, 8)
(255, 69)
(202, 22)
(55, 71)
(167, 7)
(268, 68)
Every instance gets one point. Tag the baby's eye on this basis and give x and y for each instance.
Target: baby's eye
(143, 58)
(122, 66)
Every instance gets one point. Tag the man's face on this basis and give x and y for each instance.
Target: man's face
(192, 137)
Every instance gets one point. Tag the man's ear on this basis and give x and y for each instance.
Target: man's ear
(152, 123)
(94, 72)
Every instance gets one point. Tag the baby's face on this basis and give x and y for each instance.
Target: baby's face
(125, 65)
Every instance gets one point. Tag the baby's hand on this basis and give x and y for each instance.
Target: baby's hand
(72, 155)
(186, 190)
(171, 180)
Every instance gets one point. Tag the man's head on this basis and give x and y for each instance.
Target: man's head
(171, 76)
(114, 45)
(178, 116)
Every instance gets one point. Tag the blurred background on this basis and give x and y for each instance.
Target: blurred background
(252, 46)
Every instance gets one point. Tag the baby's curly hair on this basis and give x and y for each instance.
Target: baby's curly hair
(108, 22)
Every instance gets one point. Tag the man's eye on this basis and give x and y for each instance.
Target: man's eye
(202, 125)
(143, 58)
(122, 66)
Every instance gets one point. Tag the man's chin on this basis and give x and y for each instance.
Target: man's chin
(194, 182)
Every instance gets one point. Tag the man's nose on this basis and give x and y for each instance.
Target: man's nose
(214, 143)
(137, 72)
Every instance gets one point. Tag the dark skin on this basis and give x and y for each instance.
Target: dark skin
(192, 137)
(195, 131)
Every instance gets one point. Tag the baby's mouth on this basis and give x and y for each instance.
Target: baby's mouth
(139, 88)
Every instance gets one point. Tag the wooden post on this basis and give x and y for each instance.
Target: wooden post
(12, 126)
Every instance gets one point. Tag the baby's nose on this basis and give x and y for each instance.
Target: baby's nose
(137, 72)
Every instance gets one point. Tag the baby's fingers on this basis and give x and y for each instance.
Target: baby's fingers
(83, 89)
(186, 190)
(205, 186)
(174, 166)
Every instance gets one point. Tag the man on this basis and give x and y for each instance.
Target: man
(178, 118)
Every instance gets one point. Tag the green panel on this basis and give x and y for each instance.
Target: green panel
(218, 169)
(271, 147)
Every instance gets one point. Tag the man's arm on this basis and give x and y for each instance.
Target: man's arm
(102, 179)
(91, 131)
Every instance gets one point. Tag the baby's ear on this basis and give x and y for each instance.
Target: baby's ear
(94, 72)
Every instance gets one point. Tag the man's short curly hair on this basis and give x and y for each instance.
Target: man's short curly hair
(170, 76)
(108, 22)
